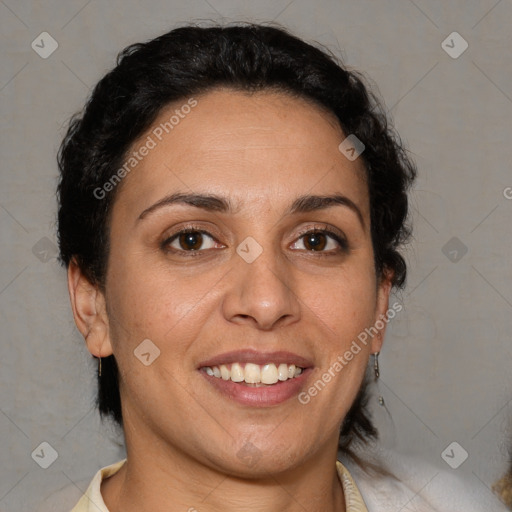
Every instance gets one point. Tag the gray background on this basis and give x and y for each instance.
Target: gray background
(445, 365)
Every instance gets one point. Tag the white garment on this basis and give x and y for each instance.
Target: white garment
(421, 487)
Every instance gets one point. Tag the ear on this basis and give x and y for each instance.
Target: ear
(89, 310)
(381, 318)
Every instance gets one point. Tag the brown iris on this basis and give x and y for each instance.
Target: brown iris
(192, 241)
(317, 241)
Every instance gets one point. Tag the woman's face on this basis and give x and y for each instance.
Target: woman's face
(245, 285)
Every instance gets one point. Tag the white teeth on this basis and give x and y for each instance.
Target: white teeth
(254, 374)
(224, 372)
(269, 374)
(282, 371)
(237, 373)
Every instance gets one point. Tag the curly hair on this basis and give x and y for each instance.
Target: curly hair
(191, 60)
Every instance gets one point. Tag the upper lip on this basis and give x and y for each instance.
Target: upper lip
(257, 357)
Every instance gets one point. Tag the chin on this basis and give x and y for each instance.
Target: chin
(250, 461)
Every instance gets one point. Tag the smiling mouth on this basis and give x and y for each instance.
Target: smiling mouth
(254, 375)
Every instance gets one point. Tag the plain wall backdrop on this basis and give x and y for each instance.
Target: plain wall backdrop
(445, 365)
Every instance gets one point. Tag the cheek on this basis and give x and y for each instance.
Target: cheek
(148, 302)
(345, 301)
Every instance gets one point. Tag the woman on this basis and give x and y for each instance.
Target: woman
(231, 207)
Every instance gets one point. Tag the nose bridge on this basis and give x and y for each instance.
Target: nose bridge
(261, 288)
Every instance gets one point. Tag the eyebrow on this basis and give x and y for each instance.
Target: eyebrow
(214, 203)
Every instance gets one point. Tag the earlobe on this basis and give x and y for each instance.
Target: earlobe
(381, 311)
(89, 311)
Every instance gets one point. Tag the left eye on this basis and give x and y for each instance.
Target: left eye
(317, 241)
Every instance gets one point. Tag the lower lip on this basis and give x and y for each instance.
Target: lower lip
(262, 396)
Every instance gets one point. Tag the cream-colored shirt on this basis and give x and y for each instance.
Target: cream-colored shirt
(92, 500)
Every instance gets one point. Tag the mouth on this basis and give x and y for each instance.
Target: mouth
(255, 378)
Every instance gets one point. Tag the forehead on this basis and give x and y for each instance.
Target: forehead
(259, 147)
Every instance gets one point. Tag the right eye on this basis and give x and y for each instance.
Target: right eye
(189, 240)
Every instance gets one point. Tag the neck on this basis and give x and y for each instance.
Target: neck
(156, 478)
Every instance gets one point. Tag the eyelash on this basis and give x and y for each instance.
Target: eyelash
(342, 242)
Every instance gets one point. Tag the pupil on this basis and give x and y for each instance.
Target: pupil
(315, 240)
(191, 240)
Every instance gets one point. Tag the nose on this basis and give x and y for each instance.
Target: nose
(261, 293)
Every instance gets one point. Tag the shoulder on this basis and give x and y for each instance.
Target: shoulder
(65, 498)
(421, 487)
(77, 496)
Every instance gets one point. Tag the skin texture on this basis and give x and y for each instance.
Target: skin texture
(261, 152)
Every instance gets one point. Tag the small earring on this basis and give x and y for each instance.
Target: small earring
(376, 371)
(376, 365)
(99, 368)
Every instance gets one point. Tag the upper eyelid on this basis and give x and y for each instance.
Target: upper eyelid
(325, 228)
(189, 230)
